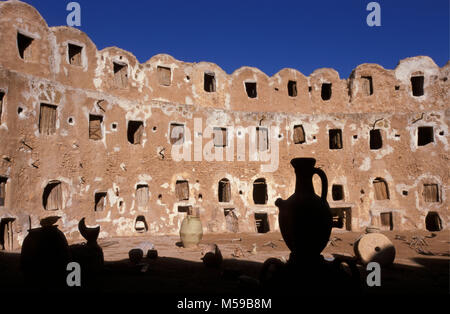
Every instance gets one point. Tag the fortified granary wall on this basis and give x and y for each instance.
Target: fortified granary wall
(88, 133)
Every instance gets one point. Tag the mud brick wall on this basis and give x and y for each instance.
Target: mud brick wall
(88, 133)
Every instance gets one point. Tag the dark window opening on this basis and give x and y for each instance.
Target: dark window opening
(25, 47)
(231, 220)
(209, 82)
(164, 76)
(431, 193)
(405, 193)
(433, 222)
(397, 87)
(3, 181)
(292, 88)
(262, 222)
(299, 134)
(417, 85)
(120, 75)
(337, 192)
(335, 138)
(176, 133)
(376, 140)
(142, 195)
(250, 88)
(224, 190)
(2, 96)
(367, 85)
(95, 127)
(52, 196)
(386, 221)
(74, 52)
(425, 135)
(260, 191)
(185, 209)
(135, 132)
(100, 201)
(220, 137)
(341, 218)
(141, 224)
(381, 189)
(182, 190)
(262, 139)
(7, 234)
(326, 91)
(47, 119)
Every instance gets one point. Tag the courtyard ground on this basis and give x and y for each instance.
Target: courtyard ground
(179, 270)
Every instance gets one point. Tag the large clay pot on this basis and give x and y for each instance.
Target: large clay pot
(44, 256)
(304, 218)
(191, 231)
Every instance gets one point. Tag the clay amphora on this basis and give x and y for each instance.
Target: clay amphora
(89, 255)
(191, 231)
(304, 218)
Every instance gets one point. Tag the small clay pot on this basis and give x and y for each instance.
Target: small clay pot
(152, 254)
(135, 255)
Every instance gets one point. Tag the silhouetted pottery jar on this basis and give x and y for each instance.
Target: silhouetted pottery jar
(191, 231)
(45, 255)
(304, 218)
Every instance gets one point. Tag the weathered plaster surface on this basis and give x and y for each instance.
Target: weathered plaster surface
(29, 160)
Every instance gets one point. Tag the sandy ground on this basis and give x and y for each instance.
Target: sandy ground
(180, 270)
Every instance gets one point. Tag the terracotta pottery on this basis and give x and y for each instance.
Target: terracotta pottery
(45, 255)
(89, 255)
(191, 231)
(135, 255)
(304, 218)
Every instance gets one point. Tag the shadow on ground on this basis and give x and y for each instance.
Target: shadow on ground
(166, 275)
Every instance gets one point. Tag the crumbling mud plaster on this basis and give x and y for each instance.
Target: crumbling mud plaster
(87, 133)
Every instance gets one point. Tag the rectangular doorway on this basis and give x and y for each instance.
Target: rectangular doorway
(262, 222)
(342, 218)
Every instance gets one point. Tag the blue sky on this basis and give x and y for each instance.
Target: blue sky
(269, 35)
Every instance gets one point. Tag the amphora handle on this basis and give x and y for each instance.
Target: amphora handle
(323, 178)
